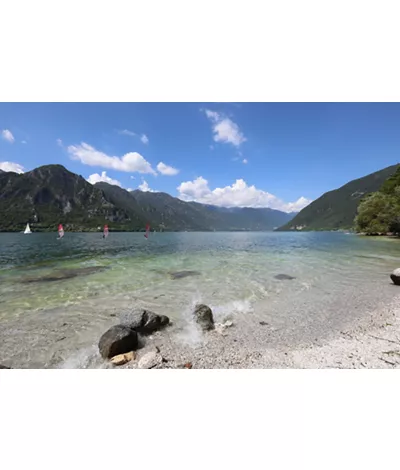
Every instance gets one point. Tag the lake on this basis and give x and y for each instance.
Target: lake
(66, 292)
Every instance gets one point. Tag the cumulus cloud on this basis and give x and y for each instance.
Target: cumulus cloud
(130, 162)
(7, 135)
(96, 178)
(166, 169)
(224, 129)
(245, 160)
(10, 166)
(239, 194)
(145, 187)
(144, 139)
(59, 142)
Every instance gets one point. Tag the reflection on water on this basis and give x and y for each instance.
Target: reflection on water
(80, 279)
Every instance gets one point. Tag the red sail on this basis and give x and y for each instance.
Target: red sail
(147, 231)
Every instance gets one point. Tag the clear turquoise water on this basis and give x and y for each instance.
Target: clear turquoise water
(235, 275)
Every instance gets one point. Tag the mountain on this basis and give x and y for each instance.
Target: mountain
(337, 209)
(164, 211)
(51, 194)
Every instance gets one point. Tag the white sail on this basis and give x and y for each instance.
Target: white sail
(27, 229)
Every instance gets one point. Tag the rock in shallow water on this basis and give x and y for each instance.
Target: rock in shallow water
(181, 274)
(144, 321)
(204, 317)
(119, 339)
(395, 277)
(60, 275)
(284, 277)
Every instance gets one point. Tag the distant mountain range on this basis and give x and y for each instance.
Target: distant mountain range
(49, 195)
(337, 209)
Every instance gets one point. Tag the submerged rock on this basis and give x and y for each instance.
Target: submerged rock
(144, 321)
(181, 274)
(122, 359)
(204, 317)
(60, 275)
(119, 339)
(150, 360)
(395, 277)
(284, 277)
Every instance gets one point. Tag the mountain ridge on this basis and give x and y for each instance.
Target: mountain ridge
(337, 209)
(51, 194)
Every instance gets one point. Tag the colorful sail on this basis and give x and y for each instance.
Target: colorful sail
(60, 231)
(105, 232)
(147, 231)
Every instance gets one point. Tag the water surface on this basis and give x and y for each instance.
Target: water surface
(74, 285)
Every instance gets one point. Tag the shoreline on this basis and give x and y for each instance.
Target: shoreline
(372, 343)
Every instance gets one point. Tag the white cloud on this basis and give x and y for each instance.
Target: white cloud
(245, 160)
(24, 142)
(132, 177)
(145, 187)
(166, 169)
(7, 135)
(10, 166)
(224, 129)
(239, 194)
(59, 142)
(126, 132)
(144, 139)
(130, 162)
(96, 178)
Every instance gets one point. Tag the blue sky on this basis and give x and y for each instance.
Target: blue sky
(280, 155)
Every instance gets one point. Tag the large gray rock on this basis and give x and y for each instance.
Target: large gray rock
(395, 277)
(119, 339)
(204, 317)
(144, 321)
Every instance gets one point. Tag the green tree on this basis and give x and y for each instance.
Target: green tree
(378, 214)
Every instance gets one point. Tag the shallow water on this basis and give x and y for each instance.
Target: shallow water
(51, 299)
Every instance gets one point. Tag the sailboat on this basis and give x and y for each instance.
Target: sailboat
(147, 231)
(105, 233)
(27, 229)
(60, 232)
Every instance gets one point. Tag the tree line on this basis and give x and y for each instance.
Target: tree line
(379, 213)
